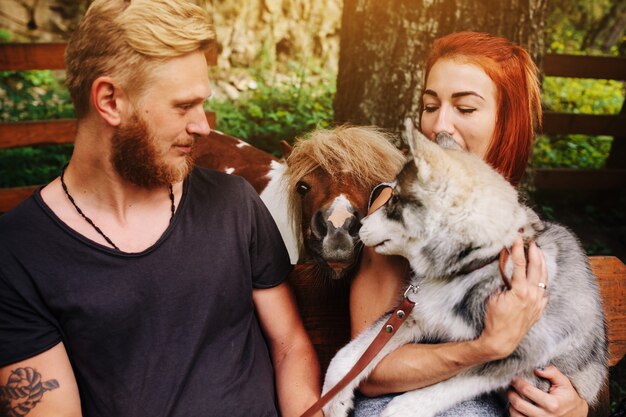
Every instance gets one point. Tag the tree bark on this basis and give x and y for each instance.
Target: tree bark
(383, 46)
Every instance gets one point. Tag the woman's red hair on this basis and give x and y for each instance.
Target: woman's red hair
(519, 103)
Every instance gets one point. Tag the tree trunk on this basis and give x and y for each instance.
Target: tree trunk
(383, 46)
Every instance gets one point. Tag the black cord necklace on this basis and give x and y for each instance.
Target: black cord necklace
(96, 228)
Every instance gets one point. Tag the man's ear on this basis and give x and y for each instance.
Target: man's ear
(108, 99)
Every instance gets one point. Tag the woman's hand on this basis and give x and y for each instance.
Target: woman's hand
(510, 314)
(561, 400)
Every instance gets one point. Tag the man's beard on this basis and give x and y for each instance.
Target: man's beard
(136, 158)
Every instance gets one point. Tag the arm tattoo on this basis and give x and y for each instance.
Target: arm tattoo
(23, 391)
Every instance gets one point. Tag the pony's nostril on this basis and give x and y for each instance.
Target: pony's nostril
(353, 225)
(318, 225)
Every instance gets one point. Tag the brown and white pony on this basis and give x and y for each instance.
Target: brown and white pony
(329, 175)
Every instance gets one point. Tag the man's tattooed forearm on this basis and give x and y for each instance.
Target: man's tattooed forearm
(23, 391)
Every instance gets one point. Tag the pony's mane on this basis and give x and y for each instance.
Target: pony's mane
(365, 153)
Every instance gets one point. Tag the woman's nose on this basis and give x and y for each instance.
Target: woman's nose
(443, 123)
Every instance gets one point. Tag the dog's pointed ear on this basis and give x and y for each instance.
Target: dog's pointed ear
(425, 152)
(412, 136)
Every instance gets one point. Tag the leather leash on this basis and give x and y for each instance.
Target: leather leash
(399, 316)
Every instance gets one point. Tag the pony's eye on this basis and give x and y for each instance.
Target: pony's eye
(302, 188)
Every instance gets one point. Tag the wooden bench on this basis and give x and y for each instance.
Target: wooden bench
(324, 308)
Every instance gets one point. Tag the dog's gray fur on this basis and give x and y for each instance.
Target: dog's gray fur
(450, 211)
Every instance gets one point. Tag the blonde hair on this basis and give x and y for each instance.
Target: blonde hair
(124, 38)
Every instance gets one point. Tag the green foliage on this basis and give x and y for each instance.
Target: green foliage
(584, 27)
(32, 95)
(578, 95)
(573, 95)
(571, 151)
(32, 165)
(5, 35)
(579, 27)
(278, 111)
(563, 35)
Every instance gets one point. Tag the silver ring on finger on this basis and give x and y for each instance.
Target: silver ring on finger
(542, 285)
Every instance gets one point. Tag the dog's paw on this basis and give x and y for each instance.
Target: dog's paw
(403, 407)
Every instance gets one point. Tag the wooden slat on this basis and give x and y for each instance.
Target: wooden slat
(585, 66)
(611, 273)
(17, 134)
(11, 197)
(585, 124)
(37, 56)
(31, 56)
(579, 179)
(50, 132)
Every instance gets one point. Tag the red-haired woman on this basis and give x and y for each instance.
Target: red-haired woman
(484, 91)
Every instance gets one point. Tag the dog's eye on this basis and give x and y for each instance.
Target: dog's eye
(394, 199)
(302, 188)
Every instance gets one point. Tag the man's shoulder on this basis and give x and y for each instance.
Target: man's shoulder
(19, 215)
(209, 179)
(20, 226)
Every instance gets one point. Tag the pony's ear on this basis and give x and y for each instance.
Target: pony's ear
(285, 148)
(427, 155)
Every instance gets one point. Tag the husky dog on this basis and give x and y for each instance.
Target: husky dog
(450, 212)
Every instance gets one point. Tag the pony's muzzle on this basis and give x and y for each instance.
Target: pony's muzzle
(338, 240)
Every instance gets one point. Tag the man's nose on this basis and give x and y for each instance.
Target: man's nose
(199, 125)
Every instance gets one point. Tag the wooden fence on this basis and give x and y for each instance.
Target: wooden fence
(50, 56)
(614, 174)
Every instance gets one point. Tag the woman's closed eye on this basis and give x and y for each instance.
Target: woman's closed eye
(466, 110)
(430, 108)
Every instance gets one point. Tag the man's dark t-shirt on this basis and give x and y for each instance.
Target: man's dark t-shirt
(170, 331)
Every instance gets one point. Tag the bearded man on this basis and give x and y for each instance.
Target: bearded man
(135, 284)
